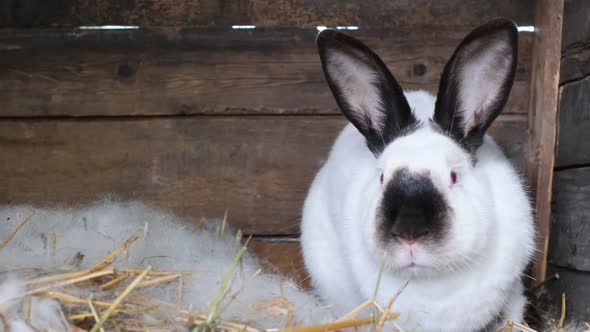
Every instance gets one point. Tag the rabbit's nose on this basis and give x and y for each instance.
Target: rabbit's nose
(410, 225)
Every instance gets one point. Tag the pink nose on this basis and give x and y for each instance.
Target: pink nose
(409, 242)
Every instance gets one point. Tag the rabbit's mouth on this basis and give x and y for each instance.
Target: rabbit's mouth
(408, 260)
(412, 269)
(415, 269)
(413, 266)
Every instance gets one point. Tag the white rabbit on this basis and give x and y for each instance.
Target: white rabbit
(415, 186)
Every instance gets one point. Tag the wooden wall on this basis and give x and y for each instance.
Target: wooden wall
(569, 252)
(189, 115)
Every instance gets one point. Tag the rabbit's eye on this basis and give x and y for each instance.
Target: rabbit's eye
(453, 177)
(381, 178)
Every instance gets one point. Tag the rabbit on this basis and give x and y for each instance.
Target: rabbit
(415, 190)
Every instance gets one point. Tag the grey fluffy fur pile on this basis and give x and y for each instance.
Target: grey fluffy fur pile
(84, 236)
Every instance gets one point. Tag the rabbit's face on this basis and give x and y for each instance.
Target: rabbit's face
(428, 217)
(428, 210)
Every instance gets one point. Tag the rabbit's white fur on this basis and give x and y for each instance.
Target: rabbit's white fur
(492, 228)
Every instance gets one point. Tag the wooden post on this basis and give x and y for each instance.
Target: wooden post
(543, 120)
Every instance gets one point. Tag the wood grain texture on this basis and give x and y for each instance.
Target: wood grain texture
(543, 120)
(574, 124)
(285, 255)
(258, 167)
(575, 57)
(570, 229)
(575, 62)
(263, 13)
(576, 26)
(569, 249)
(204, 71)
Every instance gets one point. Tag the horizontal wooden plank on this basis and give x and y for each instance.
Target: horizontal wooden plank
(286, 256)
(205, 71)
(570, 232)
(298, 13)
(574, 124)
(259, 167)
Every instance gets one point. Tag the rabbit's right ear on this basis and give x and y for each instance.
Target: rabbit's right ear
(364, 89)
(476, 82)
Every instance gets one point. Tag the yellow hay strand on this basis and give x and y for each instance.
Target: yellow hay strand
(159, 280)
(356, 311)
(13, 233)
(119, 299)
(388, 307)
(69, 298)
(93, 310)
(198, 225)
(28, 308)
(72, 281)
(337, 325)
(111, 256)
(4, 321)
(114, 282)
(563, 311)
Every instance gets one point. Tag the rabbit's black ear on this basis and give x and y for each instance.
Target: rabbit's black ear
(476, 82)
(364, 89)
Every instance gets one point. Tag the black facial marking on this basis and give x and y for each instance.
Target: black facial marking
(412, 208)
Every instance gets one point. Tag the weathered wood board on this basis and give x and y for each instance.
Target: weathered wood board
(574, 124)
(576, 26)
(263, 13)
(570, 231)
(574, 115)
(259, 167)
(544, 103)
(575, 62)
(205, 71)
(135, 113)
(285, 255)
(569, 247)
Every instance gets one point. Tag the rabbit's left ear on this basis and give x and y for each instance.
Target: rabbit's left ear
(364, 89)
(476, 82)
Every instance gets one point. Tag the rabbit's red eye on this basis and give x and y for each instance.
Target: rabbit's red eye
(453, 177)
(381, 178)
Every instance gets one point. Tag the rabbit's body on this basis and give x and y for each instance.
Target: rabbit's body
(346, 274)
(431, 201)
